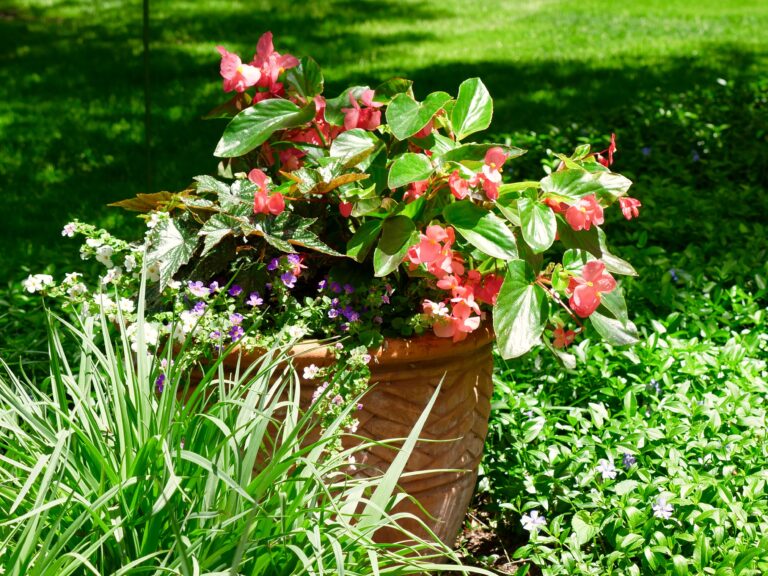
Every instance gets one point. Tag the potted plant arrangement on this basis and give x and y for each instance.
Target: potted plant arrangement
(367, 221)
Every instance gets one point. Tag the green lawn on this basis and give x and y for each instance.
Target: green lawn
(72, 124)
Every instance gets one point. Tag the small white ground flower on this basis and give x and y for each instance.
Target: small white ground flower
(78, 289)
(105, 303)
(72, 277)
(68, 231)
(188, 321)
(37, 282)
(112, 275)
(662, 509)
(127, 305)
(93, 242)
(607, 469)
(310, 372)
(296, 332)
(153, 272)
(150, 335)
(533, 521)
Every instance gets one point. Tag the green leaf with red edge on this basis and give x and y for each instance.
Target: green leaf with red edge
(362, 241)
(482, 228)
(306, 79)
(575, 183)
(407, 168)
(397, 235)
(473, 109)
(253, 126)
(521, 311)
(406, 116)
(614, 331)
(538, 224)
(476, 153)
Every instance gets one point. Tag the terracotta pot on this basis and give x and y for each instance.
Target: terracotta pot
(406, 373)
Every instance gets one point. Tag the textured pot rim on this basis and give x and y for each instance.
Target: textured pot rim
(426, 347)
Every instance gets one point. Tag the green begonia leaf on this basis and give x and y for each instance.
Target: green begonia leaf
(538, 224)
(406, 116)
(482, 228)
(473, 109)
(407, 168)
(398, 234)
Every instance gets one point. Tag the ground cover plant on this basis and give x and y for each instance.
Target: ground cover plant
(678, 82)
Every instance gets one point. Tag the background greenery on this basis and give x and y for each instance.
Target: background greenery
(683, 85)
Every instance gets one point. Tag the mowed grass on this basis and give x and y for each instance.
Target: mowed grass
(72, 124)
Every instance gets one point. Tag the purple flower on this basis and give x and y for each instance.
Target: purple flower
(359, 407)
(214, 287)
(198, 289)
(254, 300)
(695, 156)
(236, 319)
(160, 383)
(628, 461)
(378, 320)
(288, 279)
(385, 298)
(338, 400)
(333, 313)
(236, 332)
(199, 308)
(344, 327)
(348, 288)
(268, 285)
(235, 291)
(294, 259)
(273, 264)
(321, 285)
(214, 335)
(646, 150)
(350, 314)
(335, 287)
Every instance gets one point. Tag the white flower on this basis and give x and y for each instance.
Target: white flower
(153, 272)
(93, 242)
(127, 305)
(607, 469)
(112, 275)
(310, 372)
(532, 522)
(129, 263)
(154, 220)
(352, 428)
(77, 290)
(68, 230)
(105, 303)
(295, 332)
(37, 282)
(661, 509)
(174, 285)
(71, 277)
(104, 255)
(150, 335)
(188, 321)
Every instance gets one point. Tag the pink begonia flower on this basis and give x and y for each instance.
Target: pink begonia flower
(237, 76)
(319, 133)
(459, 324)
(629, 207)
(271, 63)
(556, 206)
(430, 245)
(345, 209)
(415, 190)
(586, 290)
(263, 202)
(610, 151)
(367, 118)
(459, 187)
(584, 212)
(488, 291)
(562, 337)
(290, 159)
(490, 174)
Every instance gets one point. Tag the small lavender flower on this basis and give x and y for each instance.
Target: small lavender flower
(69, 230)
(349, 289)
(213, 287)
(199, 308)
(319, 391)
(344, 327)
(236, 333)
(533, 521)
(235, 318)
(288, 279)
(333, 313)
(214, 335)
(254, 300)
(321, 285)
(359, 407)
(338, 400)
(294, 259)
(335, 287)
(160, 383)
(350, 314)
(695, 156)
(235, 291)
(310, 372)
(646, 150)
(662, 509)
(607, 469)
(673, 275)
(366, 358)
(273, 264)
(654, 386)
(627, 460)
(198, 289)
(385, 298)
(268, 286)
